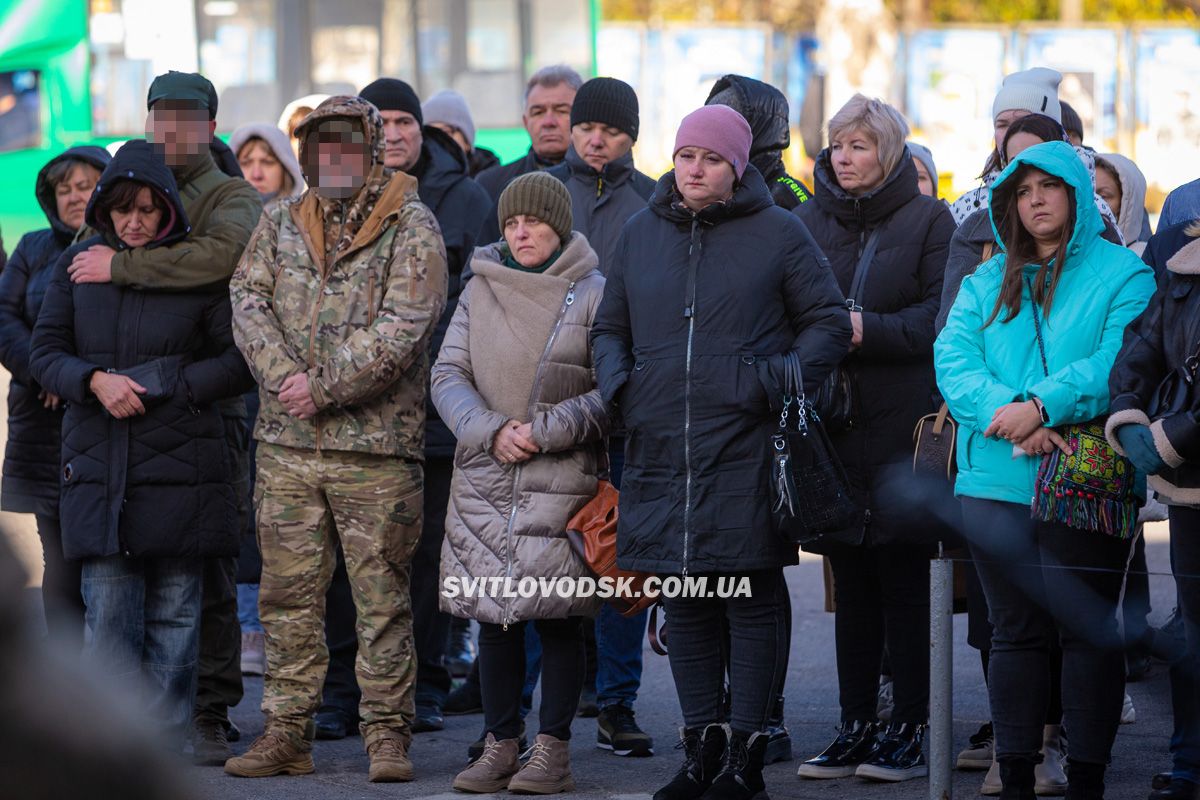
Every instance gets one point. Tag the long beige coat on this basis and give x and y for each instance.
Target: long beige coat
(518, 348)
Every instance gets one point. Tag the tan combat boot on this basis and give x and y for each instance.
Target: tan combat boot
(276, 752)
(492, 770)
(389, 759)
(548, 770)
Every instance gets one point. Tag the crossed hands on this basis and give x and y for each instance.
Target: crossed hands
(296, 396)
(514, 443)
(1021, 424)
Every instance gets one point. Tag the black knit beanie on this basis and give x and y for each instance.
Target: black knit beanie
(392, 94)
(608, 101)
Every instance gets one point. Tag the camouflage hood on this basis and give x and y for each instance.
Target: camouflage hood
(353, 108)
(336, 224)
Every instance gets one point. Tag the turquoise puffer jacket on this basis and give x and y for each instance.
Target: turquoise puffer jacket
(1103, 287)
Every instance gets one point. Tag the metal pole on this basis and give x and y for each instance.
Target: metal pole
(941, 676)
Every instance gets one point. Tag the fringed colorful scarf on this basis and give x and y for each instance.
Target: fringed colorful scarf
(1091, 489)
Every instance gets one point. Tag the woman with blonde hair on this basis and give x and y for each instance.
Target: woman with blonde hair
(887, 244)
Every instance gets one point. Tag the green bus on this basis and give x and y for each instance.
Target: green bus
(75, 71)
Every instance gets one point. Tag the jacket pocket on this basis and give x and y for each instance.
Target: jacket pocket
(627, 398)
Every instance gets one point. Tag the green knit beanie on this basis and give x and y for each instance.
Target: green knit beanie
(537, 194)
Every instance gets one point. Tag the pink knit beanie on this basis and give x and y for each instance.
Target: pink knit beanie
(720, 129)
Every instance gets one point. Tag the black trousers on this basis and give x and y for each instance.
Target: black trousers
(219, 669)
(1185, 671)
(882, 596)
(431, 627)
(1045, 581)
(62, 596)
(757, 653)
(502, 675)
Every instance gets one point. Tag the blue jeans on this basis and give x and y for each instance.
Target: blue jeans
(247, 599)
(1185, 688)
(145, 621)
(618, 639)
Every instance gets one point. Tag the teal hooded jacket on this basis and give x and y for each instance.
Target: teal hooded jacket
(1102, 288)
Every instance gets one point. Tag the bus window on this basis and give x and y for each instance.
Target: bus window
(20, 110)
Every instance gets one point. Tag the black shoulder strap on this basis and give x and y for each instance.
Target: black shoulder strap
(854, 299)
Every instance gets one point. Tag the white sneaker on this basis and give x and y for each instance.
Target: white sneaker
(1128, 712)
(991, 782)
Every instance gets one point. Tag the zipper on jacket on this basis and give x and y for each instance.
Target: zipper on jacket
(689, 312)
(326, 268)
(599, 185)
(508, 543)
(568, 301)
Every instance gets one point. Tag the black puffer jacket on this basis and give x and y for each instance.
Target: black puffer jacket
(1156, 344)
(460, 204)
(158, 484)
(31, 457)
(495, 179)
(695, 391)
(766, 109)
(892, 374)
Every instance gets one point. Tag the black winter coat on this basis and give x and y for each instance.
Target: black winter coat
(891, 374)
(459, 204)
(1156, 344)
(494, 179)
(696, 391)
(31, 457)
(158, 484)
(766, 109)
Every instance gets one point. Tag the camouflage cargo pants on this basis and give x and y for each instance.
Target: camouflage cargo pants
(372, 505)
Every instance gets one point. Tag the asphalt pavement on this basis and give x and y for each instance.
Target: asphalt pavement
(812, 713)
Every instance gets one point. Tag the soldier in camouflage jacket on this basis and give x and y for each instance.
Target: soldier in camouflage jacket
(334, 302)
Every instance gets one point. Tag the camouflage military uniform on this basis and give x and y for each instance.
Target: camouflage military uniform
(347, 292)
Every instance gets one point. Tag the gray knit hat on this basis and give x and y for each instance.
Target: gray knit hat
(450, 108)
(540, 195)
(1034, 90)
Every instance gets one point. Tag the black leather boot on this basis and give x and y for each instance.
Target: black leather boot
(854, 743)
(703, 754)
(741, 775)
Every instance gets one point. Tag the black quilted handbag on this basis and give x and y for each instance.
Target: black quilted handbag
(810, 493)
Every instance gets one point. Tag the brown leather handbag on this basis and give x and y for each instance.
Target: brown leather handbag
(934, 442)
(592, 533)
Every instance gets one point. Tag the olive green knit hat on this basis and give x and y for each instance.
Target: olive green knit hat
(540, 195)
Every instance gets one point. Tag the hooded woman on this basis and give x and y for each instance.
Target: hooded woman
(514, 381)
(766, 109)
(267, 161)
(31, 460)
(1028, 346)
(1121, 185)
(1159, 432)
(147, 491)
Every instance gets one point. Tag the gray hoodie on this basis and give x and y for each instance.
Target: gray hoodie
(1133, 201)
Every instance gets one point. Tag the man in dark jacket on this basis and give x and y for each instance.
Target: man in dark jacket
(444, 185)
(223, 211)
(766, 109)
(547, 119)
(606, 190)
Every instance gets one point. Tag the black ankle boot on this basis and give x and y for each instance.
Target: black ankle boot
(741, 775)
(1016, 777)
(703, 754)
(1084, 781)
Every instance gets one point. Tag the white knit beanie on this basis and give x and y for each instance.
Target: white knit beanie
(450, 108)
(1034, 90)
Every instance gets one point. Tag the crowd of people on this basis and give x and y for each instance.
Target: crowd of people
(268, 398)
